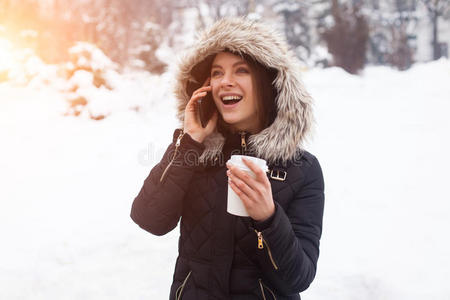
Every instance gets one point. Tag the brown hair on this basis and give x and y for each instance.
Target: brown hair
(265, 91)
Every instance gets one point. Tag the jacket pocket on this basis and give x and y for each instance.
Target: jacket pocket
(179, 291)
(266, 291)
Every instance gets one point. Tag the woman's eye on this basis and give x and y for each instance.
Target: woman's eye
(242, 70)
(215, 73)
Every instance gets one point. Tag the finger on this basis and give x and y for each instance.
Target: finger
(202, 89)
(198, 96)
(243, 186)
(260, 174)
(245, 177)
(193, 101)
(199, 93)
(241, 194)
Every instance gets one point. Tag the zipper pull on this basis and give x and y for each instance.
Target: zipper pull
(243, 143)
(260, 239)
(261, 246)
(177, 144)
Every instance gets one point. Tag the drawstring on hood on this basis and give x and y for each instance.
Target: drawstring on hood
(285, 136)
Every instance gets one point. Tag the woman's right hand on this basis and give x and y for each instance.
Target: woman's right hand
(192, 124)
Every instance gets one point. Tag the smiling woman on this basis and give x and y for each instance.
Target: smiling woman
(264, 111)
(262, 91)
(232, 84)
(260, 103)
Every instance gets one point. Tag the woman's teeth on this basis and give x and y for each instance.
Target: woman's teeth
(231, 99)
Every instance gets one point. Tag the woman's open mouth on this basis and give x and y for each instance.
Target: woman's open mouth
(230, 101)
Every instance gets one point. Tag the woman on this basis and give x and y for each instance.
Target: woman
(273, 253)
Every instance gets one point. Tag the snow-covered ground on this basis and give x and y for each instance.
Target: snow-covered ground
(67, 184)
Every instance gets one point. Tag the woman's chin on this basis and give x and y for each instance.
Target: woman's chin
(230, 121)
(230, 118)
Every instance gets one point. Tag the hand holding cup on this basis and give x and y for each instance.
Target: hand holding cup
(254, 191)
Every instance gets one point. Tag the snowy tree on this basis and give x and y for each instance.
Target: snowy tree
(209, 11)
(146, 51)
(322, 20)
(392, 35)
(296, 25)
(437, 9)
(121, 29)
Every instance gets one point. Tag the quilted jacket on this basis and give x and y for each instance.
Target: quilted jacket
(222, 256)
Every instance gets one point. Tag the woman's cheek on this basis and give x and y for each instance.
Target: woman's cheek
(215, 95)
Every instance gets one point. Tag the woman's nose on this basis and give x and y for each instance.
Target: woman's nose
(227, 80)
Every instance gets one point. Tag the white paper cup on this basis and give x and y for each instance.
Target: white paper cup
(234, 203)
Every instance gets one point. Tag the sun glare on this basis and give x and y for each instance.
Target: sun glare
(6, 58)
(17, 63)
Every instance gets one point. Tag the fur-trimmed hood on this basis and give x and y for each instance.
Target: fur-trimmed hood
(294, 119)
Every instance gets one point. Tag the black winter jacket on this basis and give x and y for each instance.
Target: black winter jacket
(219, 257)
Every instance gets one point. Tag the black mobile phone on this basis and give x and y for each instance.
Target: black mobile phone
(206, 108)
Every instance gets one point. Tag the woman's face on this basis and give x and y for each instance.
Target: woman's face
(232, 91)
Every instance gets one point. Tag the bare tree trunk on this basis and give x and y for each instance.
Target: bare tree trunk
(435, 42)
(436, 9)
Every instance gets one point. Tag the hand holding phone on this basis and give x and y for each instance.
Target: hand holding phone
(200, 117)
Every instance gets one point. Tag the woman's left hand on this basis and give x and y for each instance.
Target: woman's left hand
(255, 193)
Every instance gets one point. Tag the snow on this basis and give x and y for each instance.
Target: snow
(67, 184)
(21, 67)
(88, 55)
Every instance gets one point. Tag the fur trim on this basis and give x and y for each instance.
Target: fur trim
(286, 135)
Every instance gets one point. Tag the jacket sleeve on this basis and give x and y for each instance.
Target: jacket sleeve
(158, 206)
(291, 240)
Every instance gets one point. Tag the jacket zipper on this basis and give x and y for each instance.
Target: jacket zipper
(180, 289)
(177, 144)
(262, 289)
(262, 286)
(243, 143)
(261, 242)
